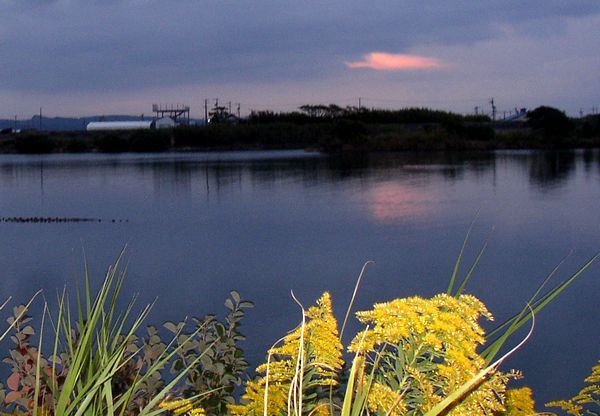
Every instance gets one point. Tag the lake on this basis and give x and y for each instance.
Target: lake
(198, 225)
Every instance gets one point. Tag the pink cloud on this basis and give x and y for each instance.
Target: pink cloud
(395, 61)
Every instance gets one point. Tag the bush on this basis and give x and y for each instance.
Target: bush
(149, 141)
(111, 143)
(590, 127)
(99, 365)
(479, 132)
(32, 143)
(76, 145)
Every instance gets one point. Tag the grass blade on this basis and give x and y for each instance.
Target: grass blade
(521, 318)
(362, 272)
(472, 269)
(459, 258)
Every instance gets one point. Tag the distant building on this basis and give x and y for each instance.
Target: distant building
(519, 115)
(161, 123)
(119, 125)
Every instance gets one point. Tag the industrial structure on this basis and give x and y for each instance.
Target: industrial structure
(180, 114)
(165, 117)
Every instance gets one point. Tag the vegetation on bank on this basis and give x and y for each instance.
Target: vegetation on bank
(332, 128)
(414, 357)
(94, 358)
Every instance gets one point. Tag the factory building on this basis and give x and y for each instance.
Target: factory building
(161, 123)
(165, 117)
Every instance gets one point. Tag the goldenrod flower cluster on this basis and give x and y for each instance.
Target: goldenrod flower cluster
(413, 354)
(182, 406)
(587, 399)
(519, 402)
(426, 349)
(441, 320)
(322, 363)
(384, 400)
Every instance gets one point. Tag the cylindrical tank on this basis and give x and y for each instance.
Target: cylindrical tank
(118, 125)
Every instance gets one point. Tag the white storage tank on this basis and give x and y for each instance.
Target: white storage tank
(119, 125)
(165, 123)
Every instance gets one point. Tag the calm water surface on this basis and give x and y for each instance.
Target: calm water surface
(264, 223)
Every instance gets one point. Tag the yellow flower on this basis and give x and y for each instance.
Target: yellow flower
(384, 400)
(519, 402)
(427, 348)
(587, 397)
(322, 357)
(414, 354)
(182, 406)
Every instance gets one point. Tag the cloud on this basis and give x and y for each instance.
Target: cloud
(282, 51)
(395, 62)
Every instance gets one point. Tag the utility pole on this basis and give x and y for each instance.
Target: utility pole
(493, 109)
(205, 111)
(359, 103)
(476, 110)
(238, 109)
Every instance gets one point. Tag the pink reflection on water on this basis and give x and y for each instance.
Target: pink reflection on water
(392, 201)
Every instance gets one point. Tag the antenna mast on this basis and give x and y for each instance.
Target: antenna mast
(493, 109)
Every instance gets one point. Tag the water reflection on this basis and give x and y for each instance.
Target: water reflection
(390, 180)
(549, 170)
(172, 179)
(391, 202)
(206, 173)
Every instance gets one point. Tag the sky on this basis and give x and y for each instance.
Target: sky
(85, 57)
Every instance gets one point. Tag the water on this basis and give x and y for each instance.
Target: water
(265, 223)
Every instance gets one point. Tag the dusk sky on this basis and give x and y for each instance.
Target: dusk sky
(79, 58)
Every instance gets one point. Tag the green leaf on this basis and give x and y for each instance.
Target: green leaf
(235, 295)
(220, 329)
(28, 330)
(171, 326)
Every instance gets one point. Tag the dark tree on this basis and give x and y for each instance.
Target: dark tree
(552, 122)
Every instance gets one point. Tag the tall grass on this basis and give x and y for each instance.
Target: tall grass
(90, 347)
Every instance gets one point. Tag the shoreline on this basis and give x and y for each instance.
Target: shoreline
(326, 137)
